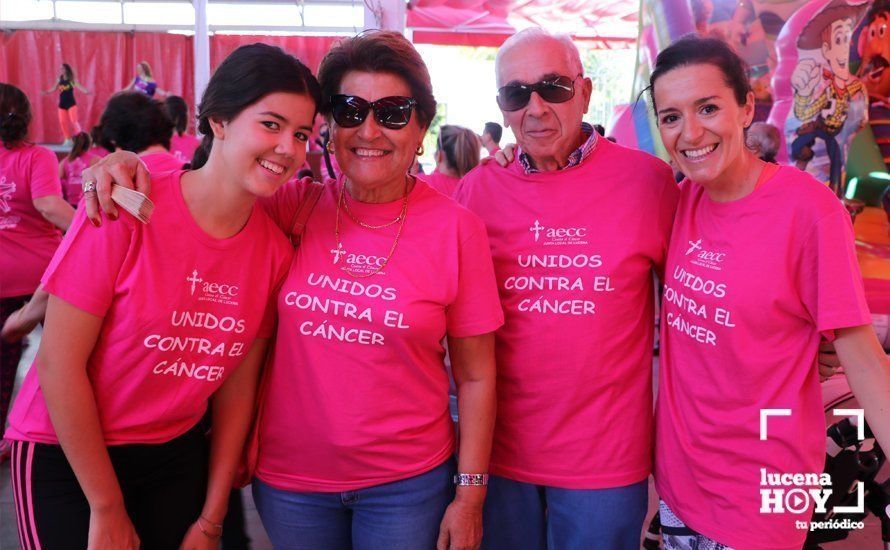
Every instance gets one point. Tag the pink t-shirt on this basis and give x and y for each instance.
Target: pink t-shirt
(99, 151)
(441, 182)
(72, 179)
(27, 239)
(160, 162)
(181, 310)
(358, 392)
(574, 252)
(183, 147)
(750, 287)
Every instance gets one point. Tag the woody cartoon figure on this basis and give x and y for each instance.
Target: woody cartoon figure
(823, 113)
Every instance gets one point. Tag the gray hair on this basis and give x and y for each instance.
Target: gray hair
(538, 34)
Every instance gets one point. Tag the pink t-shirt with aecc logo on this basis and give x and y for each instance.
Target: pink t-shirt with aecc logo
(27, 239)
(181, 310)
(751, 286)
(358, 392)
(574, 252)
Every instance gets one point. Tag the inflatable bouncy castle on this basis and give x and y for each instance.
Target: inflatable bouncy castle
(820, 71)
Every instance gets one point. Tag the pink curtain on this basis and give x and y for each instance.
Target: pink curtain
(105, 62)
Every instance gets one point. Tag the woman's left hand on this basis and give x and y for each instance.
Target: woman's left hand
(196, 540)
(461, 528)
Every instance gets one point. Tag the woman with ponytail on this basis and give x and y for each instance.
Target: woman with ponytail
(32, 213)
(182, 145)
(457, 152)
(147, 322)
(72, 166)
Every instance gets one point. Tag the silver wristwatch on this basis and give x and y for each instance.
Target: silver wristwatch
(473, 480)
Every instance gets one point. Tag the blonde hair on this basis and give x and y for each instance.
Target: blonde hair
(146, 68)
(460, 148)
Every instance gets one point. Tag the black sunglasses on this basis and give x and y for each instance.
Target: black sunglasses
(393, 112)
(558, 89)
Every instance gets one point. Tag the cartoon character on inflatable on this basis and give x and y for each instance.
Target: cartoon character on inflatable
(874, 71)
(829, 101)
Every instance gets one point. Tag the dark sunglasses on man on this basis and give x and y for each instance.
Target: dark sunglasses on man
(555, 89)
(393, 112)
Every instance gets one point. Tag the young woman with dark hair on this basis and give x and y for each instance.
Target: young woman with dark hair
(65, 84)
(182, 145)
(32, 213)
(761, 266)
(146, 323)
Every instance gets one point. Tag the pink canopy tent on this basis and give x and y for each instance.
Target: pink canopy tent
(612, 23)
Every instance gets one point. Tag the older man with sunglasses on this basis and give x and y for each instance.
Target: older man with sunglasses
(577, 226)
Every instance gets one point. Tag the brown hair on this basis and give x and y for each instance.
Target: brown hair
(15, 115)
(146, 68)
(461, 148)
(378, 52)
(82, 144)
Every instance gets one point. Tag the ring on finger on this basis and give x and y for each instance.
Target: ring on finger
(89, 186)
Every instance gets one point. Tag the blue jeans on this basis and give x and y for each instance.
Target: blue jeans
(536, 517)
(402, 515)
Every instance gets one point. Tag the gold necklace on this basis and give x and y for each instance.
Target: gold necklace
(367, 225)
(402, 215)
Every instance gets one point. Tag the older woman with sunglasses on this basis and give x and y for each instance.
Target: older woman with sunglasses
(355, 437)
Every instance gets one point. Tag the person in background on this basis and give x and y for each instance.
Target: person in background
(182, 145)
(72, 166)
(764, 140)
(66, 84)
(491, 137)
(32, 216)
(457, 152)
(134, 122)
(96, 137)
(144, 82)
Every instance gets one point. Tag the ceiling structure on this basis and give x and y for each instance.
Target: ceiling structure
(614, 23)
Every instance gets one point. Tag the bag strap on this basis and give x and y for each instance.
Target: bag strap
(301, 216)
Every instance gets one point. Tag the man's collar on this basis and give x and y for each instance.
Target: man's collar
(576, 157)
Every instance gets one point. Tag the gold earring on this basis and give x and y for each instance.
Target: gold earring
(419, 150)
(330, 147)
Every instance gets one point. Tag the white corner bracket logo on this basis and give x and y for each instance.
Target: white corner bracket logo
(794, 492)
(765, 414)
